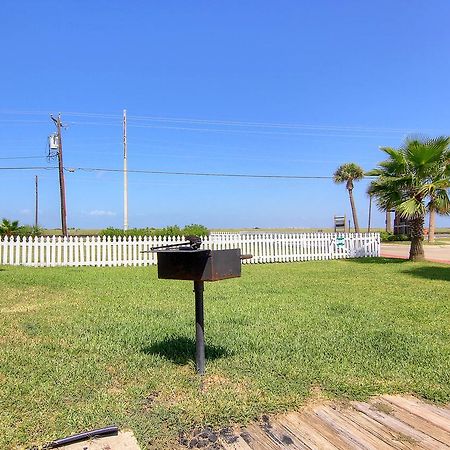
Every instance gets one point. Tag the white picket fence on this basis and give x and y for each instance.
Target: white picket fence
(128, 251)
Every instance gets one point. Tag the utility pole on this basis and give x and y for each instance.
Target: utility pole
(36, 202)
(125, 173)
(62, 186)
(370, 213)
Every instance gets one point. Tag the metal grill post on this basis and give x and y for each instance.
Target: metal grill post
(199, 328)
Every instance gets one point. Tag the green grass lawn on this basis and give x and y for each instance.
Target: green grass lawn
(87, 347)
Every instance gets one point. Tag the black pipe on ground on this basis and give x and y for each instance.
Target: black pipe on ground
(106, 431)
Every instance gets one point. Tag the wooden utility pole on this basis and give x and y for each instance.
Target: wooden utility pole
(125, 173)
(62, 186)
(36, 202)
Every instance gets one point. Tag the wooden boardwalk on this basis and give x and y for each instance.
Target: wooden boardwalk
(387, 422)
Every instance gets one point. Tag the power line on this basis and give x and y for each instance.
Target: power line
(21, 121)
(217, 130)
(22, 157)
(161, 172)
(205, 155)
(200, 174)
(236, 123)
(246, 124)
(30, 168)
(262, 124)
(279, 133)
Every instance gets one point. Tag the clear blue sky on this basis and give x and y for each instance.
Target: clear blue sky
(350, 75)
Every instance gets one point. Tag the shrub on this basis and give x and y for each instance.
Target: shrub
(399, 237)
(384, 235)
(111, 231)
(171, 230)
(29, 230)
(389, 237)
(195, 230)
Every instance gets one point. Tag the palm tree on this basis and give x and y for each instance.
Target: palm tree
(348, 173)
(413, 178)
(442, 169)
(9, 228)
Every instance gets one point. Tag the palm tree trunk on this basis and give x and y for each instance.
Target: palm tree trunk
(416, 252)
(432, 225)
(352, 204)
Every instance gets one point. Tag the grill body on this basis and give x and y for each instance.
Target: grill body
(199, 265)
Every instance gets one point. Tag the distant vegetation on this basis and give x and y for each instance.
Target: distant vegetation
(172, 230)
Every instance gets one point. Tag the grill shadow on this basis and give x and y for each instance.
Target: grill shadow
(181, 350)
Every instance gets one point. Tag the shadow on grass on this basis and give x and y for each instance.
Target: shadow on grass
(181, 350)
(430, 273)
(379, 260)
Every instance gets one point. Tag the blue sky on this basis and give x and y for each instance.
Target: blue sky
(348, 77)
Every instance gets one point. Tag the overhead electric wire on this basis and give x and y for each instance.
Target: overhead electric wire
(23, 157)
(161, 172)
(236, 123)
(262, 124)
(239, 123)
(30, 168)
(7, 121)
(216, 130)
(201, 174)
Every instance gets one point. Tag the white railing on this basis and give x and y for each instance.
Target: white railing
(128, 251)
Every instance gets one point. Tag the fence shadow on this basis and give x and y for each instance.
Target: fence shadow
(430, 272)
(181, 350)
(378, 260)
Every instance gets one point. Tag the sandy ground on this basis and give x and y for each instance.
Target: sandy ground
(436, 253)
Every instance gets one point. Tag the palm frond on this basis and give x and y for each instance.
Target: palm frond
(440, 202)
(422, 152)
(411, 208)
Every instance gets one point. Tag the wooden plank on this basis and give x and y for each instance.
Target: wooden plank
(278, 433)
(372, 426)
(421, 409)
(239, 444)
(304, 432)
(259, 440)
(422, 440)
(419, 423)
(350, 431)
(327, 432)
(441, 410)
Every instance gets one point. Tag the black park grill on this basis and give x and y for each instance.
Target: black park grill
(187, 261)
